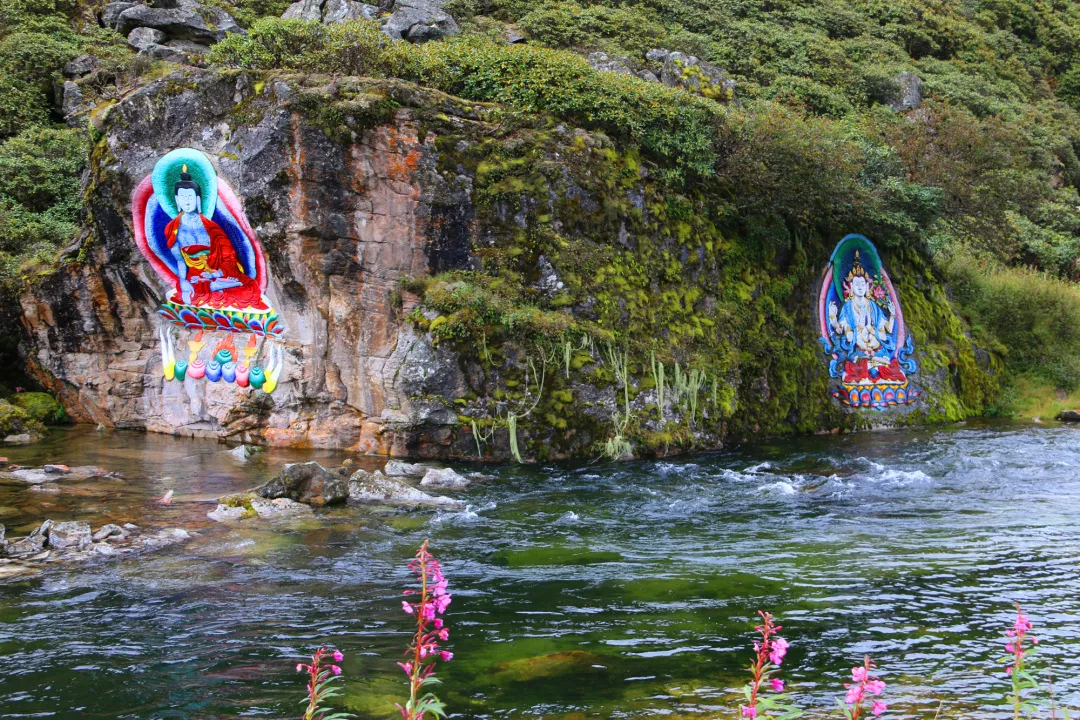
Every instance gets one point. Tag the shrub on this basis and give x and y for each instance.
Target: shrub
(1034, 315)
(39, 192)
(40, 406)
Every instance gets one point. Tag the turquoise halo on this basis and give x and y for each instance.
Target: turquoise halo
(167, 173)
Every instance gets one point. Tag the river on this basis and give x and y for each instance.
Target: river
(609, 590)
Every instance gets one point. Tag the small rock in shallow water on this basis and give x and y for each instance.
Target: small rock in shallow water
(26, 545)
(107, 531)
(70, 535)
(225, 513)
(397, 468)
(279, 507)
(377, 488)
(445, 479)
(16, 571)
(56, 469)
(308, 483)
(105, 549)
(131, 526)
(20, 439)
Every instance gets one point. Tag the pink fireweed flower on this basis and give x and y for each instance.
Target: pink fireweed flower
(863, 686)
(779, 650)
(424, 651)
(406, 607)
(338, 656)
(319, 686)
(769, 652)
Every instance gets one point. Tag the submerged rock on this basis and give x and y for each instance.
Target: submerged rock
(378, 488)
(444, 479)
(279, 508)
(52, 473)
(309, 483)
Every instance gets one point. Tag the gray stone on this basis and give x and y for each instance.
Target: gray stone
(26, 545)
(42, 530)
(377, 488)
(697, 76)
(75, 535)
(304, 10)
(909, 96)
(648, 75)
(657, 55)
(226, 513)
(400, 468)
(108, 531)
(20, 439)
(143, 38)
(309, 483)
(513, 37)
(110, 16)
(72, 98)
(205, 25)
(1069, 416)
(241, 452)
(279, 508)
(102, 548)
(82, 65)
(444, 479)
(56, 469)
(610, 63)
(339, 11)
(419, 21)
(130, 526)
(36, 476)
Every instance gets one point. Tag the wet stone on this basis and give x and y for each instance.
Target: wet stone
(108, 531)
(70, 535)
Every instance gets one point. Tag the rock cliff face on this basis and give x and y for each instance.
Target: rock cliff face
(378, 202)
(342, 223)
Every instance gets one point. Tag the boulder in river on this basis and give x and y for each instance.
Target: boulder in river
(378, 488)
(309, 483)
(444, 479)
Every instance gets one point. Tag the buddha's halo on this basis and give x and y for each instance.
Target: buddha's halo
(167, 173)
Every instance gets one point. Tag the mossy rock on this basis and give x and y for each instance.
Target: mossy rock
(533, 557)
(552, 665)
(16, 421)
(42, 407)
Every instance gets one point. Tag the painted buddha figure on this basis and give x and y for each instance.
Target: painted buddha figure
(210, 273)
(864, 329)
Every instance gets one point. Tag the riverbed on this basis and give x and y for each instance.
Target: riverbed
(606, 590)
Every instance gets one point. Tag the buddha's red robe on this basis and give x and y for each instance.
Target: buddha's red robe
(221, 257)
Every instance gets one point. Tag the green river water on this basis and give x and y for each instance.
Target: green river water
(609, 591)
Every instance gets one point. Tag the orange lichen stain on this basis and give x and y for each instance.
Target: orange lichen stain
(399, 165)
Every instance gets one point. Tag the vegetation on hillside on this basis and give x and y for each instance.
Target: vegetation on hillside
(984, 175)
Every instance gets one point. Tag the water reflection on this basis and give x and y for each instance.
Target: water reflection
(607, 591)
